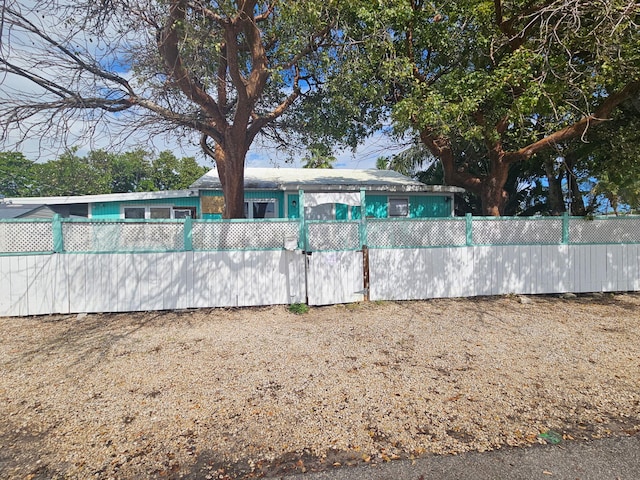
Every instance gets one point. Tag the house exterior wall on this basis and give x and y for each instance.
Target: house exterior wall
(112, 210)
(420, 206)
(278, 196)
(430, 206)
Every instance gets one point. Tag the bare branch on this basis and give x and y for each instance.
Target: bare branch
(168, 47)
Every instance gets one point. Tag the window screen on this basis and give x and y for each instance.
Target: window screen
(398, 207)
(159, 212)
(134, 212)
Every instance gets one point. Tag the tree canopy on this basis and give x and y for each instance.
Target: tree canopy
(485, 85)
(226, 70)
(494, 90)
(96, 173)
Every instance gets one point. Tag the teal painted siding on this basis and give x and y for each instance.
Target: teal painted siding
(293, 209)
(342, 211)
(429, 206)
(377, 206)
(108, 210)
(420, 206)
(105, 210)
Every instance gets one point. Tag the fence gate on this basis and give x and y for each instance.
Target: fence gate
(334, 262)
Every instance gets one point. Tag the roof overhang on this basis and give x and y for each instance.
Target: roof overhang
(109, 197)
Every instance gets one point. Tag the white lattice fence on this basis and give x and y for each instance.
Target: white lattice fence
(604, 230)
(517, 231)
(242, 235)
(416, 233)
(328, 236)
(122, 236)
(26, 236)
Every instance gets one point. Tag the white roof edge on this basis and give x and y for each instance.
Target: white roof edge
(107, 197)
(366, 188)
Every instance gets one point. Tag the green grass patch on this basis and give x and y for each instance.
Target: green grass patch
(299, 308)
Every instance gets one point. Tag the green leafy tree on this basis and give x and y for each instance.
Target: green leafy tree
(69, 174)
(227, 71)
(131, 172)
(512, 78)
(171, 173)
(16, 174)
(608, 160)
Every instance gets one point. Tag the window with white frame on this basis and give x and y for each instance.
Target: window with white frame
(156, 212)
(260, 208)
(134, 212)
(398, 207)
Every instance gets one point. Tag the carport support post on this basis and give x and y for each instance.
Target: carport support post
(565, 228)
(363, 244)
(58, 240)
(188, 233)
(302, 234)
(363, 218)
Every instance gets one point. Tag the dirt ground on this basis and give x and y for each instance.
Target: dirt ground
(246, 393)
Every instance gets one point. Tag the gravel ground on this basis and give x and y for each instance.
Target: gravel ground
(258, 392)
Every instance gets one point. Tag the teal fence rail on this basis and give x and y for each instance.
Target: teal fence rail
(20, 237)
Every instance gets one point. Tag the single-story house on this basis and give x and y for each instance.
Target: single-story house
(273, 193)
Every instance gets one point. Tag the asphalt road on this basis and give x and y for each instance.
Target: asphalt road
(615, 458)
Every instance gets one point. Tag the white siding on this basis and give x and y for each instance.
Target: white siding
(335, 277)
(404, 274)
(73, 283)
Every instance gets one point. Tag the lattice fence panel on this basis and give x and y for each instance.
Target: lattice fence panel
(604, 230)
(26, 237)
(515, 231)
(250, 235)
(123, 237)
(333, 236)
(415, 233)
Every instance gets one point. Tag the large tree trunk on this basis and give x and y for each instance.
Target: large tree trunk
(492, 193)
(233, 186)
(493, 197)
(230, 165)
(577, 200)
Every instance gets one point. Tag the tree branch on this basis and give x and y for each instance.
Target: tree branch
(260, 122)
(169, 51)
(578, 128)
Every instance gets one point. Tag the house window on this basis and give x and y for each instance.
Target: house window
(398, 207)
(157, 212)
(184, 212)
(260, 208)
(134, 212)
